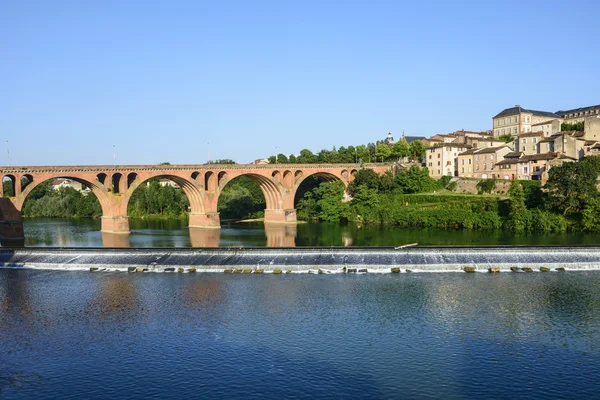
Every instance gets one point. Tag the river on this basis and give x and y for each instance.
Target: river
(111, 335)
(175, 233)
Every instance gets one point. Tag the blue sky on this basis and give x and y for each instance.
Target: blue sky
(174, 81)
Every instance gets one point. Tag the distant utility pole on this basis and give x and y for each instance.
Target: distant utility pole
(114, 155)
(275, 147)
(7, 153)
(208, 152)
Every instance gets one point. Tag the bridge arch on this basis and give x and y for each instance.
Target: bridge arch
(303, 182)
(97, 190)
(191, 191)
(270, 189)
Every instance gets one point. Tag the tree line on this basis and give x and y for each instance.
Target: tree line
(380, 151)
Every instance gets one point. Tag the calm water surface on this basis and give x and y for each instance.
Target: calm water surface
(73, 335)
(175, 233)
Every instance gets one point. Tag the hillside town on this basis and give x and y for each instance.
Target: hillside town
(523, 144)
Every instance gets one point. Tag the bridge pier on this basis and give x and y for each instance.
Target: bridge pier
(118, 224)
(11, 233)
(281, 216)
(208, 220)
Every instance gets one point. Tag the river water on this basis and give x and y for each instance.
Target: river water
(72, 335)
(175, 233)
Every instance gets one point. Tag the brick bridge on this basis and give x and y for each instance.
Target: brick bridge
(202, 184)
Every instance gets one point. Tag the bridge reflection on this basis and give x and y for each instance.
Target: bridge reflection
(281, 235)
(277, 235)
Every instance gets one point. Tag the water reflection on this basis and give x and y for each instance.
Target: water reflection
(205, 237)
(15, 296)
(281, 235)
(116, 240)
(117, 296)
(175, 233)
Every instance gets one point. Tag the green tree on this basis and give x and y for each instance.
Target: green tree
(306, 157)
(331, 206)
(578, 126)
(571, 186)
(383, 151)
(364, 177)
(591, 215)
(507, 137)
(400, 149)
(363, 154)
(417, 150)
(415, 180)
(518, 216)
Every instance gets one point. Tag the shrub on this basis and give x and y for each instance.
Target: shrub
(486, 186)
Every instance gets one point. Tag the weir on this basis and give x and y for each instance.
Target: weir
(305, 259)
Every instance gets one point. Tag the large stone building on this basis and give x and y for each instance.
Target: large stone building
(579, 114)
(517, 120)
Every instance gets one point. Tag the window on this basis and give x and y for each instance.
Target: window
(533, 148)
(523, 140)
(515, 130)
(439, 155)
(439, 164)
(462, 170)
(534, 140)
(469, 164)
(462, 162)
(484, 166)
(491, 156)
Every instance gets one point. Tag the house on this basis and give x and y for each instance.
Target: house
(547, 127)
(527, 143)
(441, 160)
(62, 183)
(485, 160)
(465, 163)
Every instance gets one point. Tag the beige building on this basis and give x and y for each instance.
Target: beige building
(529, 167)
(485, 160)
(517, 120)
(579, 114)
(62, 183)
(549, 128)
(527, 143)
(465, 163)
(571, 144)
(441, 160)
(592, 128)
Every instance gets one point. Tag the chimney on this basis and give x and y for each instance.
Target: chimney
(518, 105)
